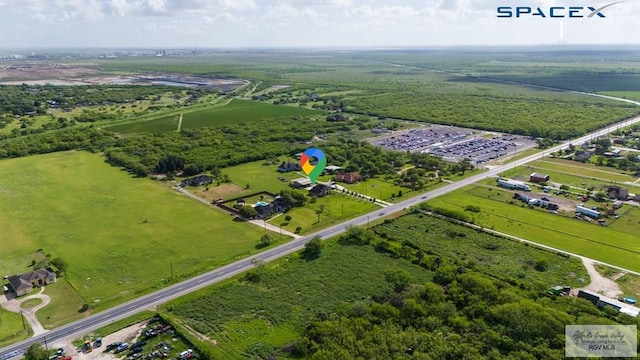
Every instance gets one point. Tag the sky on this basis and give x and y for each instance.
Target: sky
(303, 23)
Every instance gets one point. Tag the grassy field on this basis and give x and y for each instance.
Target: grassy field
(248, 320)
(236, 112)
(337, 208)
(13, 265)
(567, 176)
(606, 244)
(11, 329)
(65, 305)
(584, 170)
(114, 231)
(377, 188)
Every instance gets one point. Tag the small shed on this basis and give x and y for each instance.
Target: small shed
(538, 178)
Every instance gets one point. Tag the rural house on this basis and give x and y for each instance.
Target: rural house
(616, 192)
(320, 190)
(197, 181)
(288, 167)
(349, 178)
(275, 207)
(24, 284)
(332, 169)
(582, 156)
(538, 178)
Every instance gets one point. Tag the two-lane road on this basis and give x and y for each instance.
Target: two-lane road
(80, 327)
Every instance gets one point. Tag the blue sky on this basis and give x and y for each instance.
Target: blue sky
(321, 23)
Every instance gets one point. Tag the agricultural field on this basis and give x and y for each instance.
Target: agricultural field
(235, 112)
(254, 318)
(75, 206)
(608, 244)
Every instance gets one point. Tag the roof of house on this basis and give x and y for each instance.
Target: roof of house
(24, 281)
(623, 307)
(302, 181)
(332, 168)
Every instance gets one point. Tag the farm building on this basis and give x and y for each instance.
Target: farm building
(301, 183)
(538, 178)
(513, 184)
(197, 181)
(348, 178)
(332, 169)
(24, 283)
(603, 301)
(616, 192)
(588, 212)
(320, 190)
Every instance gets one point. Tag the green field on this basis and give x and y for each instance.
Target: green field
(11, 328)
(113, 230)
(566, 176)
(236, 112)
(608, 244)
(64, 307)
(377, 188)
(252, 319)
(584, 170)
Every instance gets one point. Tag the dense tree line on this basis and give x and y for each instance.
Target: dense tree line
(556, 118)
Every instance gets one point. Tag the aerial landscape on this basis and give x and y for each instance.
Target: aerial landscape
(257, 196)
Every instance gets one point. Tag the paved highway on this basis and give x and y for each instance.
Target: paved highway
(83, 326)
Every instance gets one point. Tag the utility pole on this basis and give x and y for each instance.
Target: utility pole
(46, 347)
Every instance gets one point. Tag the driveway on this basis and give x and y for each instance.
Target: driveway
(13, 305)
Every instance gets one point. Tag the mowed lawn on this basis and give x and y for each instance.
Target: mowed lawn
(260, 177)
(614, 245)
(235, 112)
(337, 208)
(121, 236)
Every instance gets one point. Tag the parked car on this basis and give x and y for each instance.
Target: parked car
(113, 346)
(121, 348)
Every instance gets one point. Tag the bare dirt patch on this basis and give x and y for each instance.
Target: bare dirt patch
(44, 71)
(224, 191)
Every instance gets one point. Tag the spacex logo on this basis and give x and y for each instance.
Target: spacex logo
(554, 11)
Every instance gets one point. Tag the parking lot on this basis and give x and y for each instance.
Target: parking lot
(454, 144)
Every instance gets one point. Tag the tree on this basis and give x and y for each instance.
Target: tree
(170, 163)
(288, 218)
(312, 249)
(320, 211)
(36, 352)
(265, 241)
(247, 212)
(60, 263)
